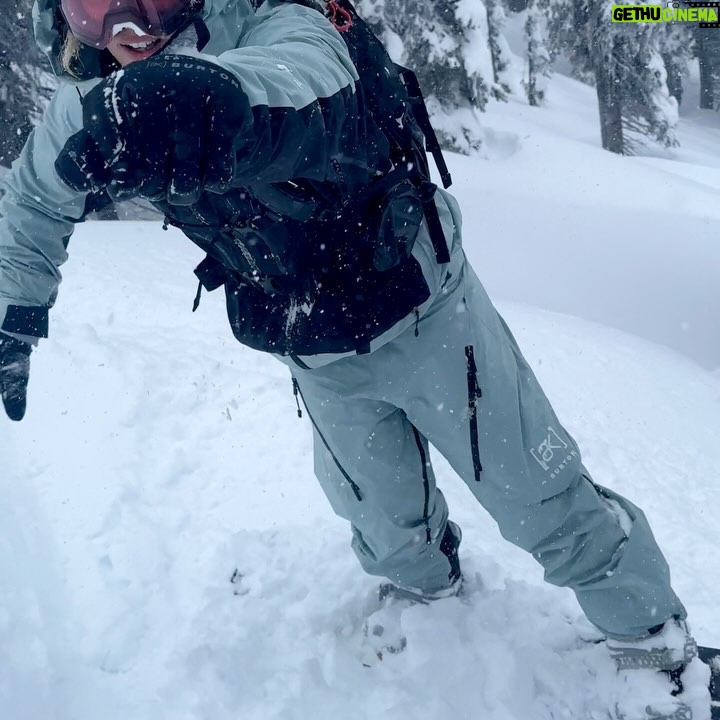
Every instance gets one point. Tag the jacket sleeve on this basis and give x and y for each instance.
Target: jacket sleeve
(37, 216)
(299, 86)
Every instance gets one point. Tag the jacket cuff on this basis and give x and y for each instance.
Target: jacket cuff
(25, 320)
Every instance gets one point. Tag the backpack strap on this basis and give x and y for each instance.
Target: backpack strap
(343, 15)
(419, 108)
(432, 217)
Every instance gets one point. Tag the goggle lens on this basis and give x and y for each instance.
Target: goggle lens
(92, 21)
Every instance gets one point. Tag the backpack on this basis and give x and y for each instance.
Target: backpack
(396, 104)
(394, 205)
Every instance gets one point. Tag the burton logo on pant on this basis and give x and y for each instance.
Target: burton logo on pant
(552, 454)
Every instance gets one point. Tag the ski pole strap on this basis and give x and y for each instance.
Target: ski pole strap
(423, 120)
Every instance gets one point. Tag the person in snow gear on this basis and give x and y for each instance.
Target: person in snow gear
(258, 132)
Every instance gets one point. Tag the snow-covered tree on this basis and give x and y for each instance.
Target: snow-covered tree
(498, 49)
(430, 38)
(707, 49)
(649, 111)
(538, 56)
(447, 43)
(566, 35)
(680, 44)
(626, 64)
(677, 48)
(19, 89)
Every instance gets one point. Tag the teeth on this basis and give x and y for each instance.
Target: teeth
(141, 45)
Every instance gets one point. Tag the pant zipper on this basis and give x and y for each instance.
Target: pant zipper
(353, 485)
(426, 485)
(474, 394)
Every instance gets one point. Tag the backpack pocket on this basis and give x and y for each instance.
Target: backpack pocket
(400, 217)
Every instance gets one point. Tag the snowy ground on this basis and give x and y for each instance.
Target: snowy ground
(158, 455)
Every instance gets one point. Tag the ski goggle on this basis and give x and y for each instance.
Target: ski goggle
(93, 21)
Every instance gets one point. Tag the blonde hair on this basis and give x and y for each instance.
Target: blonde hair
(70, 54)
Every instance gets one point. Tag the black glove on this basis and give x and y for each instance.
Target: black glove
(14, 372)
(164, 128)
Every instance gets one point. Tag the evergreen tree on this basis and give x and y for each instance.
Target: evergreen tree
(565, 22)
(538, 57)
(447, 44)
(707, 49)
(428, 37)
(677, 50)
(498, 49)
(648, 109)
(19, 78)
(626, 64)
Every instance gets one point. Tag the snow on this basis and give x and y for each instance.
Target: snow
(158, 456)
(629, 242)
(119, 27)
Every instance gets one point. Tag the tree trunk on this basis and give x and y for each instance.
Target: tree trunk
(532, 76)
(707, 89)
(610, 105)
(674, 77)
(499, 89)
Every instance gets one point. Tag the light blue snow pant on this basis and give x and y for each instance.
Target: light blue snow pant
(459, 382)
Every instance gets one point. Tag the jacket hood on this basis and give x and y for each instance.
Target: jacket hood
(50, 32)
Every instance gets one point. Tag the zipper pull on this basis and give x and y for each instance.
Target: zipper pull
(296, 392)
(196, 301)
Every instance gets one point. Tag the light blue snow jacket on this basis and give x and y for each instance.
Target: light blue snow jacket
(284, 55)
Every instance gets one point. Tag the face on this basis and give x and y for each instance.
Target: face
(127, 46)
(130, 29)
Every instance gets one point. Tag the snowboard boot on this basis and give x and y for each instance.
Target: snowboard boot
(660, 676)
(382, 631)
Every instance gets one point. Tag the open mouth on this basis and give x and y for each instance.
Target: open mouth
(142, 46)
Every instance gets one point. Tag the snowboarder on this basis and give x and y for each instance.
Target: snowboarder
(248, 129)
